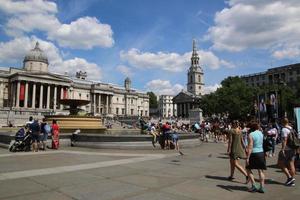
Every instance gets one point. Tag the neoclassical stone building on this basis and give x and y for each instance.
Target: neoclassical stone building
(34, 90)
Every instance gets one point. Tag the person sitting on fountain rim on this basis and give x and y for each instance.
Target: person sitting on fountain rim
(152, 131)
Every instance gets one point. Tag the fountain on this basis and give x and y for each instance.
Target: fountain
(72, 122)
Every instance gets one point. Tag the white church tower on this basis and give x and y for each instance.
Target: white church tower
(195, 74)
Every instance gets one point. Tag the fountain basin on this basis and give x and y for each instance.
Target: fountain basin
(70, 123)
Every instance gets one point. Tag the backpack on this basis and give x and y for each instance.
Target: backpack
(293, 141)
(47, 128)
(268, 144)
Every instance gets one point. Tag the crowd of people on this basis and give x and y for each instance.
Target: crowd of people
(39, 131)
(255, 142)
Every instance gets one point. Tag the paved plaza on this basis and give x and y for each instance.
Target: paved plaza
(81, 173)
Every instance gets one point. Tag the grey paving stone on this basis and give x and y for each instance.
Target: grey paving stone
(21, 187)
(103, 189)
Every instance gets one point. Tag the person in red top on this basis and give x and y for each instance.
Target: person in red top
(55, 135)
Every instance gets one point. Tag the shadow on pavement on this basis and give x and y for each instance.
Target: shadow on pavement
(271, 181)
(231, 188)
(223, 157)
(217, 177)
(275, 166)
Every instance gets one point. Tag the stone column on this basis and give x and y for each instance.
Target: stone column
(106, 110)
(41, 97)
(26, 95)
(94, 103)
(61, 97)
(18, 94)
(12, 94)
(33, 95)
(55, 97)
(99, 103)
(110, 104)
(48, 97)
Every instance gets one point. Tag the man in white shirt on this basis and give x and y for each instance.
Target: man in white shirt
(287, 155)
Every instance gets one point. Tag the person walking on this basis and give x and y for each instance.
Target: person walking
(55, 135)
(256, 158)
(236, 150)
(287, 155)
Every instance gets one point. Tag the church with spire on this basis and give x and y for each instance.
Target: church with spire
(189, 100)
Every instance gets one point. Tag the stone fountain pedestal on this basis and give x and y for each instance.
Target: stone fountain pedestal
(72, 122)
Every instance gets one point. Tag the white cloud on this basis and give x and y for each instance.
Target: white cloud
(172, 62)
(16, 26)
(291, 52)
(76, 64)
(126, 71)
(29, 16)
(16, 49)
(210, 88)
(272, 25)
(160, 87)
(27, 7)
(85, 33)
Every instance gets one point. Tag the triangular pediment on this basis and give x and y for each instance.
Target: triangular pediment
(185, 96)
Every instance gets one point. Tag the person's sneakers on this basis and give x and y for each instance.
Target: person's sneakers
(290, 181)
(261, 190)
(252, 189)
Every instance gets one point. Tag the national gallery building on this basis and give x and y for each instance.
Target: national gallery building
(33, 90)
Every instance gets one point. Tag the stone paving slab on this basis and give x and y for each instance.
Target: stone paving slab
(144, 174)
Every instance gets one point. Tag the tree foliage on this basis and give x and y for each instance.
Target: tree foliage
(152, 100)
(237, 99)
(234, 98)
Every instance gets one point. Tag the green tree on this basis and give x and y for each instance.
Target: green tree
(152, 100)
(233, 97)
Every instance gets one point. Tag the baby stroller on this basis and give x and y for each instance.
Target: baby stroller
(22, 141)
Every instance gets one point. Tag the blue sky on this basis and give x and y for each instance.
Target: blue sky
(151, 41)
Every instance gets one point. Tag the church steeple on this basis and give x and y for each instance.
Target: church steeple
(195, 73)
(195, 56)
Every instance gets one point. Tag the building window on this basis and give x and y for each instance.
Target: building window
(79, 95)
(131, 101)
(123, 111)
(199, 78)
(117, 99)
(117, 111)
(146, 112)
(131, 111)
(87, 96)
(191, 87)
(291, 73)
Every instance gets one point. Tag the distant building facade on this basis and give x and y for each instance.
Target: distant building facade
(190, 99)
(33, 90)
(166, 107)
(288, 74)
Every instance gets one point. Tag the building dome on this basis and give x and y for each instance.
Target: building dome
(127, 83)
(36, 54)
(36, 60)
